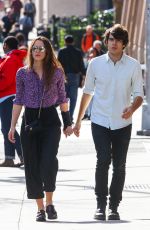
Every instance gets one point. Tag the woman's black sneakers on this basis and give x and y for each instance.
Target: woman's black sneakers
(51, 212)
(41, 217)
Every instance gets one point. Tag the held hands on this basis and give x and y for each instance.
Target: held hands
(76, 130)
(68, 130)
(127, 112)
(11, 135)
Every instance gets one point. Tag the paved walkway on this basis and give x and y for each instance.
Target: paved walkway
(74, 198)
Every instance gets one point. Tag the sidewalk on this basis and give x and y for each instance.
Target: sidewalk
(74, 198)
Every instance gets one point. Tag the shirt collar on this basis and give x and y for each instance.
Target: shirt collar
(122, 60)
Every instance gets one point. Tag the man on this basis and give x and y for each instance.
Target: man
(72, 62)
(30, 9)
(88, 38)
(26, 25)
(9, 65)
(112, 78)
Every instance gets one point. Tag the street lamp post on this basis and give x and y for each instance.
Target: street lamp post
(146, 105)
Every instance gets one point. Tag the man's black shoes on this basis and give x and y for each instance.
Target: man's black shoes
(113, 215)
(100, 214)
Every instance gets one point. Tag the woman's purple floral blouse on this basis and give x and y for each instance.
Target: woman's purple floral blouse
(29, 89)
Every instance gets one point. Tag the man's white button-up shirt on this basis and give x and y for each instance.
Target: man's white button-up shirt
(112, 86)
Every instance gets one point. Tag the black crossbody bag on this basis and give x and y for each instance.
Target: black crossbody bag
(35, 126)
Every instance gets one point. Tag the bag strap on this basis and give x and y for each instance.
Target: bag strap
(39, 113)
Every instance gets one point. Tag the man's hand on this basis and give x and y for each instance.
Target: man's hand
(76, 129)
(127, 112)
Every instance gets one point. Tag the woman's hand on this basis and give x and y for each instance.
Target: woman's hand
(11, 135)
(68, 131)
(15, 115)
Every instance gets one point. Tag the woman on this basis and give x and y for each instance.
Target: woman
(41, 84)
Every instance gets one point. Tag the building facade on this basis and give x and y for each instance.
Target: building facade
(62, 8)
(133, 18)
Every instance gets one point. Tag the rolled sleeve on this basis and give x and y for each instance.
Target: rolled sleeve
(137, 82)
(90, 80)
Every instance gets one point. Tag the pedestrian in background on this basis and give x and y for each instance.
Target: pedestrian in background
(97, 45)
(25, 25)
(14, 29)
(8, 21)
(94, 51)
(88, 38)
(9, 65)
(21, 41)
(40, 87)
(72, 61)
(16, 7)
(111, 80)
(30, 9)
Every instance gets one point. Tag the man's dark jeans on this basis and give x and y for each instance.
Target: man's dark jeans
(72, 90)
(5, 116)
(111, 146)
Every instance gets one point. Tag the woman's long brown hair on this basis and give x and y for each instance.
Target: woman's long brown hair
(50, 62)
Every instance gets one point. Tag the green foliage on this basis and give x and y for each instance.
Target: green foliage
(101, 20)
